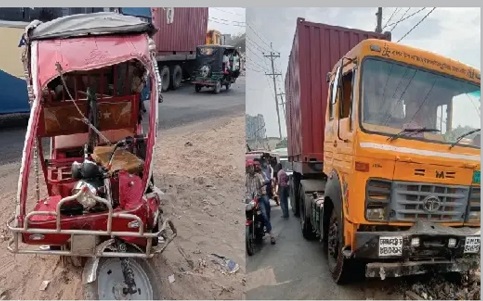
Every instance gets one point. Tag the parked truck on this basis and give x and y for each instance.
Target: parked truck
(384, 142)
(176, 42)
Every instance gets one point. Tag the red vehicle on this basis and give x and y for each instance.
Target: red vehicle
(95, 202)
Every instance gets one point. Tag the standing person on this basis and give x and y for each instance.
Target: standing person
(282, 179)
(257, 187)
(268, 175)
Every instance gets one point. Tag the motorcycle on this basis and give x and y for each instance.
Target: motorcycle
(98, 207)
(254, 229)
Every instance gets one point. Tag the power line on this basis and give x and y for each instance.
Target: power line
(407, 10)
(259, 48)
(390, 18)
(228, 12)
(417, 24)
(403, 19)
(226, 23)
(261, 39)
(226, 20)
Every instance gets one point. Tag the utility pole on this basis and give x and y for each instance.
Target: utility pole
(272, 57)
(282, 103)
(379, 20)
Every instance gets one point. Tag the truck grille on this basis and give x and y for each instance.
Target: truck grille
(408, 202)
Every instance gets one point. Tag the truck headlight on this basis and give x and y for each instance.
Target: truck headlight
(376, 214)
(378, 195)
(474, 216)
(474, 210)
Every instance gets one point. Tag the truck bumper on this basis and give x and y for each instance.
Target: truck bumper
(204, 82)
(425, 247)
(408, 268)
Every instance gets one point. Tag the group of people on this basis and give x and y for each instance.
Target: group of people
(265, 183)
(231, 61)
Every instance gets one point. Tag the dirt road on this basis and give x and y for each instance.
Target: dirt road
(295, 268)
(200, 167)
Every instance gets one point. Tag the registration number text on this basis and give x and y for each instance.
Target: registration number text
(390, 246)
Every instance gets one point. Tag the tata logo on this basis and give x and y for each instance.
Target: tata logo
(431, 204)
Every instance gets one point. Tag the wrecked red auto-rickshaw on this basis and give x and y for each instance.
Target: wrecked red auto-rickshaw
(94, 202)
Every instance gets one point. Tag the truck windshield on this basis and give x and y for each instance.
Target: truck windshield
(398, 97)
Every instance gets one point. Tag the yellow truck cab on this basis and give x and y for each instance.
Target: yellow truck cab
(401, 191)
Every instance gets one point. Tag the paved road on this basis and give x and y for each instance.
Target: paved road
(295, 268)
(179, 107)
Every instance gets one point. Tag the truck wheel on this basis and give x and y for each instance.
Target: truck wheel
(339, 266)
(176, 77)
(293, 201)
(305, 223)
(165, 78)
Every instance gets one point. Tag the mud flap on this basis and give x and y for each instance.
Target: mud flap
(89, 273)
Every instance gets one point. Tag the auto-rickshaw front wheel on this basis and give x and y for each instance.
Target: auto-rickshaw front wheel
(110, 285)
(227, 86)
(198, 88)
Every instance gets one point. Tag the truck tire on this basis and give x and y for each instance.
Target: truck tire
(165, 78)
(342, 269)
(176, 77)
(305, 223)
(293, 198)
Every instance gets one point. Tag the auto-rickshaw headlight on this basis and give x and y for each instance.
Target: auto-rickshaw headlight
(85, 198)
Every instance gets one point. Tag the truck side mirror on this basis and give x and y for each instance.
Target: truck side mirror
(335, 86)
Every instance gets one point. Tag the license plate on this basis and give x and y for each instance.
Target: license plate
(390, 246)
(472, 244)
(476, 177)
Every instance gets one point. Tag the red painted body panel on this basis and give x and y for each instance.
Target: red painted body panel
(316, 49)
(97, 52)
(187, 31)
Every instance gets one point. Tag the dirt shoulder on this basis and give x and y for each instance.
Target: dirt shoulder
(200, 167)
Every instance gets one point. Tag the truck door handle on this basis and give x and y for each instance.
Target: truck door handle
(335, 143)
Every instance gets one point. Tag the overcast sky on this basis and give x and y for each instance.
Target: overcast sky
(227, 19)
(453, 32)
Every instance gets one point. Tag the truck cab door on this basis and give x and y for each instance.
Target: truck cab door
(339, 130)
(331, 120)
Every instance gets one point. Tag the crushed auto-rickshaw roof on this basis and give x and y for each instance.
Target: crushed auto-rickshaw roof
(103, 23)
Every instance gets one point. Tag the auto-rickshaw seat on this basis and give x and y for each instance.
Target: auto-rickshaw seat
(123, 159)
